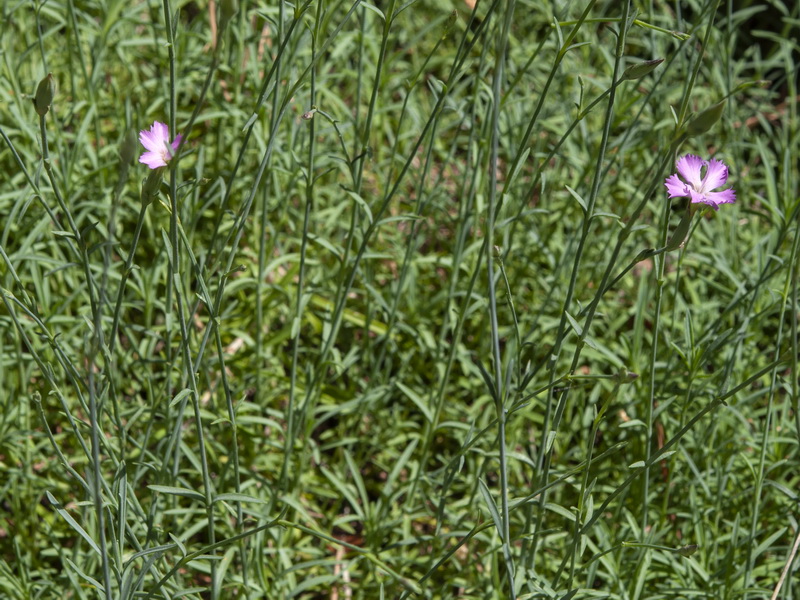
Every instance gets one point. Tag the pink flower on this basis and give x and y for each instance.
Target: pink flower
(156, 142)
(697, 185)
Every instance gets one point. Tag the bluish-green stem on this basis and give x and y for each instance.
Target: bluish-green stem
(107, 350)
(360, 159)
(126, 156)
(383, 343)
(126, 271)
(795, 310)
(498, 393)
(81, 248)
(605, 286)
(195, 399)
(660, 263)
(238, 229)
(174, 272)
(198, 105)
(367, 129)
(95, 483)
(537, 178)
(301, 275)
(545, 451)
(205, 297)
(263, 228)
(97, 342)
(468, 191)
(437, 395)
(172, 261)
(359, 81)
(573, 553)
(40, 36)
(234, 454)
(791, 277)
(356, 169)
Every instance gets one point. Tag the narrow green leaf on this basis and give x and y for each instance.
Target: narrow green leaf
(490, 504)
(72, 522)
(180, 396)
(578, 197)
(575, 325)
(91, 580)
(178, 491)
(418, 402)
(234, 497)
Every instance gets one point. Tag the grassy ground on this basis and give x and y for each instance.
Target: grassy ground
(399, 320)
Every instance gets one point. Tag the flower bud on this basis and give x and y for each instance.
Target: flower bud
(448, 24)
(151, 185)
(641, 69)
(762, 83)
(227, 9)
(625, 376)
(705, 120)
(681, 231)
(45, 93)
(128, 148)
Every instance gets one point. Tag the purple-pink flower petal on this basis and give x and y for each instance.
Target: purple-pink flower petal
(675, 187)
(147, 140)
(689, 168)
(716, 174)
(152, 160)
(700, 198)
(697, 184)
(156, 142)
(724, 197)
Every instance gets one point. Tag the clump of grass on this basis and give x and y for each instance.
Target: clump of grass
(406, 315)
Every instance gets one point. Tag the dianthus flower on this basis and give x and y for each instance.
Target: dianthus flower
(156, 142)
(698, 186)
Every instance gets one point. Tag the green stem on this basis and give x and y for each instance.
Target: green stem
(639, 23)
(491, 215)
(127, 269)
(97, 342)
(301, 276)
(545, 453)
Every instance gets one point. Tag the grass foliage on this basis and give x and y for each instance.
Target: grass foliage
(399, 321)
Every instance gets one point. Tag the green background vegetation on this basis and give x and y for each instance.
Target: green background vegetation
(390, 326)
